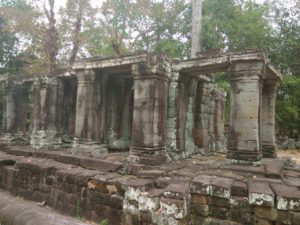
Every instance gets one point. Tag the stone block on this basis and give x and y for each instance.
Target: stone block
(174, 208)
(260, 194)
(292, 181)
(67, 158)
(199, 199)
(116, 201)
(142, 185)
(295, 217)
(150, 201)
(274, 168)
(239, 189)
(200, 210)
(255, 170)
(177, 191)
(267, 213)
(100, 165)
(260, 221)
(219, 213)
(221, 187)
(284, 217)
(219, 202)
(101, 182)
(201, 185)
(287, 197)
(113, 216)
(151, 174)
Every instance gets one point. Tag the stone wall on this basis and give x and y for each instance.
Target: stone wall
(133, 194)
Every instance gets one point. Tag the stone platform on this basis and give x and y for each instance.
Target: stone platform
(16, 211)
(200, 190)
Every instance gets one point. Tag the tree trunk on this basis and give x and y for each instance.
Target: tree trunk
(50, 45)
(196, 30)
(76, 39)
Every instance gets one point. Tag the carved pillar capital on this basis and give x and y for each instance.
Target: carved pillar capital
(252, 70)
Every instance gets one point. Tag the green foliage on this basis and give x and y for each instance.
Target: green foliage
(286, 38)
(8, 49)
(104, 222)
(235, 26)
(17, 21)
(172, 48)
(223, 82)
(288, 106)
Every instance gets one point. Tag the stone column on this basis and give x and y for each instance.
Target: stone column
(211, 119)
(88, 128)
(219, 120)
(149, 114)
(47, 114)
(9, 109)
(243, 137)
(267, 122)
(202, 116)
(14, 123)
(173, 149)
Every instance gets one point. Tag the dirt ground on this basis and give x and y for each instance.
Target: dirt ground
(295, 154)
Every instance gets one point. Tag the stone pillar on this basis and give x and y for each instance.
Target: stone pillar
(173, 150)
(14, 121)
(219, 120)
(243, 137)
(119, 113)
(267, 122)
(88, 128)
(211, 118)
(47, 114)
(189, 132)
(202, 116)
(149, 114)
(9, 108)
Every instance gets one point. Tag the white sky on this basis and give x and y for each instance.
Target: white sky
(60, 3)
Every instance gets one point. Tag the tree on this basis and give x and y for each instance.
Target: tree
(8, 51)
(196, 32)
(12, 36)
(51, 36)
(288, 106)
(75, 18)
(235, 26)
(285, 52)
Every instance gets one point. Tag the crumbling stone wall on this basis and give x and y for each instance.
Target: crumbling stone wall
(97, 189)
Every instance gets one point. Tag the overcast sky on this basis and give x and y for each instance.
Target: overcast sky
(60, 3)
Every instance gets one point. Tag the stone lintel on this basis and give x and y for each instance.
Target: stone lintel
(146, 70)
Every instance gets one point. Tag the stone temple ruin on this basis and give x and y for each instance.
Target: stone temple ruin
(157, 108)
(128, 138)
